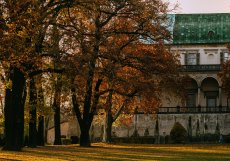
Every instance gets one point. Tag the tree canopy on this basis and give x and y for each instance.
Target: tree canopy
(107, 51)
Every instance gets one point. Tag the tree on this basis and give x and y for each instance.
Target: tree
(23, 29)
(178, 133)
(224, 74)
(136, 89)
(105, 37)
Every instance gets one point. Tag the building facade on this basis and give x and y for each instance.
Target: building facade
(200, 41)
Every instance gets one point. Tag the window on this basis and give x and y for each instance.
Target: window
(228, 102)
(191, 100)
(191, 59)
(211, 34)
(211, 104)
(226, 56)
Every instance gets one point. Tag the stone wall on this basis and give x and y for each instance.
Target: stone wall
(207, 124)
(199, 124)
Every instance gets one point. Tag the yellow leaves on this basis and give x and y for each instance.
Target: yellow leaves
(124, 120)
(22, 34)
(11, 26)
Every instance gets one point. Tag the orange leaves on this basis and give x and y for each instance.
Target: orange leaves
(101, 40)
(224, 74)
(17, 43)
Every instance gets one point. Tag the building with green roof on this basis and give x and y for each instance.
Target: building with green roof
(201, 41)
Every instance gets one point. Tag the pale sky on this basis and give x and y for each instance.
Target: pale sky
(202, 6)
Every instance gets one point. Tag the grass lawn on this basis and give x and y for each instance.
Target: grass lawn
(100, 151)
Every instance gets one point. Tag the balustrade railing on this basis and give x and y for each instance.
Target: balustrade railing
(194, 68)
(178, 110)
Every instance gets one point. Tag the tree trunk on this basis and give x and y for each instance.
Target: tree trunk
(14, 111)
(85, 137)
(57, 139)
(108, 119)
(83, 123)
(108, 127)
(57, 104)
(47, 120)
(41, 118)
(33, 115)
(41, 131)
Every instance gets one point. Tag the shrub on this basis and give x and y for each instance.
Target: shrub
(226, 138)
(178, 134)
(214, 138)
(66, 141)
(74, 139)
(135, 140)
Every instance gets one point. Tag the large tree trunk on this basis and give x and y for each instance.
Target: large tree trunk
(57, 104)
(85, 137)
(14, 111)
(33, 115)
(87, 119)
(40, 131)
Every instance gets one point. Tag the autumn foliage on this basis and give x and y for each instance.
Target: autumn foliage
(224, 74)
(109, 53)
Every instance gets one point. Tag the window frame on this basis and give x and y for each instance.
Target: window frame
(226, 58)
(222, 56)
(196, 58)
(191, 100)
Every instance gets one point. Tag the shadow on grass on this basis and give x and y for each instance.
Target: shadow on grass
(131, 152)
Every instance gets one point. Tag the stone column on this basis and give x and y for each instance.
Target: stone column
(220, 96)
(156, 132)
(198, 97)
(135, 133)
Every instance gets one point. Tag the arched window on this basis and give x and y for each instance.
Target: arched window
(210, 87)
(211, 34)
(191, 87)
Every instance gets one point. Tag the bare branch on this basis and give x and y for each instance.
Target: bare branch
(121, 108)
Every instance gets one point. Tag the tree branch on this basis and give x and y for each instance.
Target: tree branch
(48, 70)
(131, 94)
(96, 98)
(112, 15)
(76, 106)
(120, 109)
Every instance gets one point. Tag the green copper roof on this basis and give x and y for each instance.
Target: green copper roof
(201, 28)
